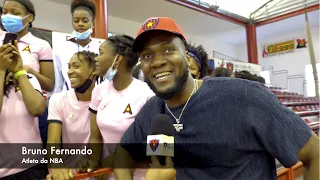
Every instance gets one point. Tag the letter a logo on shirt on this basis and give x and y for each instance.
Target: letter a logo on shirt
(27, 49)
(128, 109)
(17, 88)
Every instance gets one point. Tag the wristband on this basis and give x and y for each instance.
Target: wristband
(19, 73)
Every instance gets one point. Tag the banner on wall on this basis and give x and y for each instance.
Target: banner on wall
(283, 47)
(278, 48)
(234, 66)
(301, 43)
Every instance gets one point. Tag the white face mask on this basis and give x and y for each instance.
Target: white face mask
(83, 35)
(112, 71)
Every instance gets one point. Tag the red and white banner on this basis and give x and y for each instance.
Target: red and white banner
(283, 47)
(234, 66)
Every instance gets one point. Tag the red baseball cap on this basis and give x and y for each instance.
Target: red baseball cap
(157, 24)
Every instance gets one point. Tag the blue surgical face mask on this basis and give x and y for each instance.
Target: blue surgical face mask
(83, 35)
(12, 24)
(112, 71)
(110, 74)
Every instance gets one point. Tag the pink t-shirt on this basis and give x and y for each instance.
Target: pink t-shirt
(116, 111)
(32, 50)
(74, 115)
(17, 126)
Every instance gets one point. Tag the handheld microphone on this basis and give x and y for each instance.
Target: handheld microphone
(160, 141)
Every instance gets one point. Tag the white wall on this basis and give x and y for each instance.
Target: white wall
(213, 42)
(123, 26)
(294, 62)
(119, 25)
(57, 17)
(242, 53)
(54, 16)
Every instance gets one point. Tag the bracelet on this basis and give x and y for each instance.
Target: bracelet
(19, 73)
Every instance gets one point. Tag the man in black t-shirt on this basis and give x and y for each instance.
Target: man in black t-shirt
(226, 128)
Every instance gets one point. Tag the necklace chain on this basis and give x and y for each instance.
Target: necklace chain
(195, 88)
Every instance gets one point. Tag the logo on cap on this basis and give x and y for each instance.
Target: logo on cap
(150, 24)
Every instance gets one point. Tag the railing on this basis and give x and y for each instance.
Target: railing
(291, 173)
(222, 56)
(274, 8)
(296, 83)
(216, 8)
(292, 83)
(280, 79)
(98, 172)
(270, 69)
(283, 174)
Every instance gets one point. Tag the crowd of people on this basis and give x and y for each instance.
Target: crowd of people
(106, 95)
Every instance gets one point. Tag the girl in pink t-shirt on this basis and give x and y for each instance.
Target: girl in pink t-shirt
(115, 102)
(21, 102)
(83, 14)
(69, 115)
(36, 53)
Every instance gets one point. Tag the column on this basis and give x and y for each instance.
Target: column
(252, 43)
(100, 28)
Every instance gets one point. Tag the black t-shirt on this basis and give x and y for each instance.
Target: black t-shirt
(233, 129)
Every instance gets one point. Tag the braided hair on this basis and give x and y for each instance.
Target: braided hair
(90, 58)
(122, 45)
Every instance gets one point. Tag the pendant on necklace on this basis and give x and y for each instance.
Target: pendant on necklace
(178, 127)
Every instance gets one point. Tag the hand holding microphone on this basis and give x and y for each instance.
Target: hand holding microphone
(157, 171)
(160, 146)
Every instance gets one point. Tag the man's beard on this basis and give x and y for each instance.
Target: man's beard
(177, 88)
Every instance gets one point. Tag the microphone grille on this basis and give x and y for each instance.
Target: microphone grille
(161, 124)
